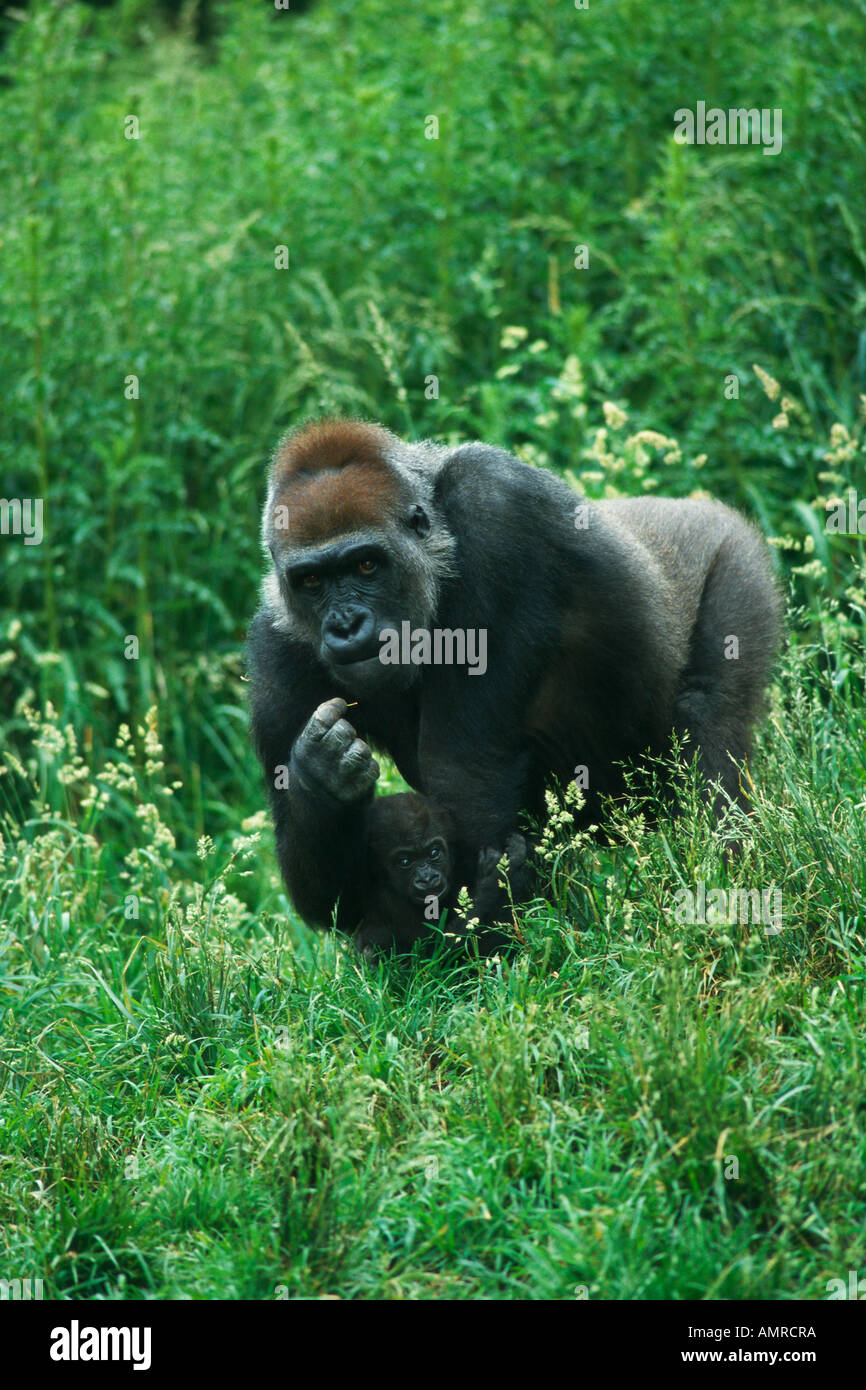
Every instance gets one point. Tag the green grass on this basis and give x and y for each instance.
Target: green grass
(198, 1096)
(198, 1105)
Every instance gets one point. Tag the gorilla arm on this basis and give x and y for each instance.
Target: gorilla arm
(320, 777)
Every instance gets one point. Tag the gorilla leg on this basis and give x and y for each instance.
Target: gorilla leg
(732, 647)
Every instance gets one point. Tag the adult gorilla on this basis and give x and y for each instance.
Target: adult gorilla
(608, 625)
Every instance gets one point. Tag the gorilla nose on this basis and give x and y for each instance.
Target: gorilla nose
(349, 634)
(428, 883)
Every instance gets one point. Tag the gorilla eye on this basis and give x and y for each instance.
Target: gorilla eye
(366, 566)
(311, 581)
(435, 852)
(404, 861)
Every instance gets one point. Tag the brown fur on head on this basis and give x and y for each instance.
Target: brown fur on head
(334, 479)
(331, 477)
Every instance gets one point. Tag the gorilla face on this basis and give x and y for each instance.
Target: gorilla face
(343, 591)
(344, 594)
(419, 871)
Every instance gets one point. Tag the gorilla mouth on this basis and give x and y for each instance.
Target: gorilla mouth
(360, 658)
(365, 669)
(431, 890)
(359, 654)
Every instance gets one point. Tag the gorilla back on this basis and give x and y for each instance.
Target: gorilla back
(609, 626)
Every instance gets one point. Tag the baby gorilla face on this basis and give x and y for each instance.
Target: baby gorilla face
(409, 843)
(418, 871)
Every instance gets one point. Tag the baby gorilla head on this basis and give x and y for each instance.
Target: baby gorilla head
(410, 846)
(410, 868)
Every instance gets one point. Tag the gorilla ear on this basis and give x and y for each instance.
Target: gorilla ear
(419, 520)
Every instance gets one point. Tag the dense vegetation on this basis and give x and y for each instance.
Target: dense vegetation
(197, 1096)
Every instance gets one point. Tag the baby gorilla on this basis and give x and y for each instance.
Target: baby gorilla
(410, 868)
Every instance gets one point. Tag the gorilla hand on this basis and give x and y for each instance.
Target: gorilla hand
(329, 755)
(371, 942)
(515, 848)
(488, 881)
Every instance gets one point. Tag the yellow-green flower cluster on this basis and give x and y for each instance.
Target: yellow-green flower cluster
(569, 388)
(842, 447)
(512, 336)
(614, 418)
(769, 383)
(669, 448)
